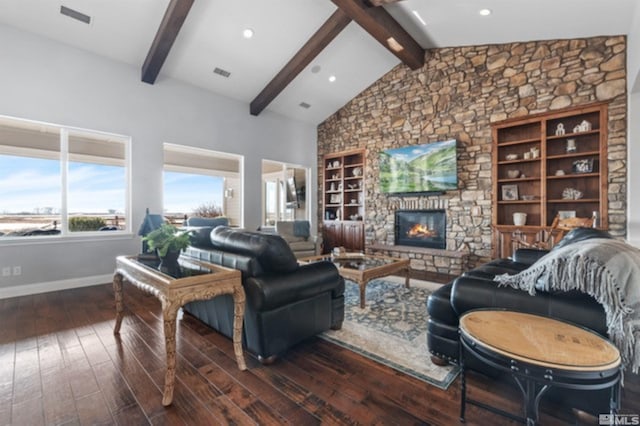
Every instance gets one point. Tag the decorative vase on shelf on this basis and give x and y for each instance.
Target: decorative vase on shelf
(519, 219)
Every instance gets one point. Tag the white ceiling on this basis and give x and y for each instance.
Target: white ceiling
(211, 37)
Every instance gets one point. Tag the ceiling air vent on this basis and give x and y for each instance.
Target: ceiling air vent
(222, 72)
(78, 16)
(305, 105)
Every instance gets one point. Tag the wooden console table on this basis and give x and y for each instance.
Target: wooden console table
(539, 353)
(200, 281)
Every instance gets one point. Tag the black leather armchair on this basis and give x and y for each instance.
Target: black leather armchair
(286, 303)
(476, 289)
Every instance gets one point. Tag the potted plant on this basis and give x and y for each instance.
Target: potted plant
(168, 241)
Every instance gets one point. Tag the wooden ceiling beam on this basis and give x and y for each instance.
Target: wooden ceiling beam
(381, 25)
(174, 17)
(325, 34)
(382, 2)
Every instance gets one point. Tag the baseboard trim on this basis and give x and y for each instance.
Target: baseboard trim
(29, 289)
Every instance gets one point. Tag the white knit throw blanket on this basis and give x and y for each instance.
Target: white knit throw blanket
(606, 269)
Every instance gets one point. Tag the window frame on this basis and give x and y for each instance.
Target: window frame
(279, 178)
(212, 172)
(64, 159)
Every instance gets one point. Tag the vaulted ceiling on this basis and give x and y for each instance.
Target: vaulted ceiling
(298, 45)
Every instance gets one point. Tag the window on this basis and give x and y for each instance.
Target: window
(199, 182)
(61, 181)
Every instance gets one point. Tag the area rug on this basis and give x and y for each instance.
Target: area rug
(392, 328)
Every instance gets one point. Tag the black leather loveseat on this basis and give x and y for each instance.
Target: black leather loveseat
(286, 303)
(476, 289)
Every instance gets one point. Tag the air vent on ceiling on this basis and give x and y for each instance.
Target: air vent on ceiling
(305, 105)
(79, 16)
(222, 72)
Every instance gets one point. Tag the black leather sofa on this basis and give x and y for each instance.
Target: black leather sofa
(286, 303)
(476, 289)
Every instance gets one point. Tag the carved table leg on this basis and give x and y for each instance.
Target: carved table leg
(117, 290)
(406, 278)
(238, 317)
(363, 290)
(169, 314)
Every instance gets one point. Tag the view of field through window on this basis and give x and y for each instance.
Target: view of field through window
(186, 192)
(55, 180)
(30, 190)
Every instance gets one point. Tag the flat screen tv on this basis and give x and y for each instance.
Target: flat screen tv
(425, 168)
(291, 193)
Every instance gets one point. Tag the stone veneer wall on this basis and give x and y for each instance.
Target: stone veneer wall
(458, 94)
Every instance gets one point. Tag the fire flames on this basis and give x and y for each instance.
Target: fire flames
(421, 231)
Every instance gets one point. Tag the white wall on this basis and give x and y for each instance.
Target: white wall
(633, 85)
(46, 81)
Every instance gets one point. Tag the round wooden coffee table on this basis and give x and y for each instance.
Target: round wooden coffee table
(539, 353)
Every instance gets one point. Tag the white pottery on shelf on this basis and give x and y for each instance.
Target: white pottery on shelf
(512, 174)
(571, 145)
(519, 219)
(560, 129)
(584, 126)
(535, 152)
(357, 171)
(572, 194)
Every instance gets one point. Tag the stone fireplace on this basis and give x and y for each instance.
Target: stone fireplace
(459, 93)
(421, 228)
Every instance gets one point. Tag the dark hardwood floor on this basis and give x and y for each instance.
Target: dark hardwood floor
(61, 364)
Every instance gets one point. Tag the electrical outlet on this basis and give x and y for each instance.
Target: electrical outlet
(6, 271)
(17, 270)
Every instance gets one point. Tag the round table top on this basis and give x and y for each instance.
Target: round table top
(539, 340)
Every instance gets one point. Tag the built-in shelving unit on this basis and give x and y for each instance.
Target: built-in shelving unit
(545, 165)
(343, 200)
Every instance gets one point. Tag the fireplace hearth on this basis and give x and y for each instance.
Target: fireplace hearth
(421, 228)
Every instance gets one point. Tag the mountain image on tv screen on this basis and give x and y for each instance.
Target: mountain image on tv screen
(419, 168)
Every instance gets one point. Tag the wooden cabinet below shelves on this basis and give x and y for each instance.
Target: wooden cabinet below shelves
(348, 234)
(508, 238)
(331, 235)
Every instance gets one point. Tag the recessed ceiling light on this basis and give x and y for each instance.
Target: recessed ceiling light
(71, 13)
(418, 17)
(485, 12)
(220, 71)
(247, 33)
(332, 78)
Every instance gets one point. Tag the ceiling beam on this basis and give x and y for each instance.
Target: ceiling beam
(174, 17)
(381, 25)
(382, 2)
(318, 41)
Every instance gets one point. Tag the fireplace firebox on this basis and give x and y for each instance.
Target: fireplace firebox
(421, 228)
